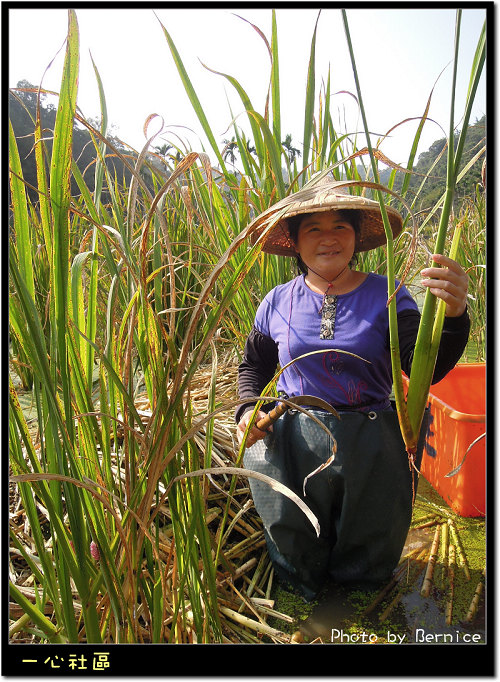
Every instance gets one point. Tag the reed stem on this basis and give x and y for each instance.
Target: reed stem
(474, 605)
(427, 584)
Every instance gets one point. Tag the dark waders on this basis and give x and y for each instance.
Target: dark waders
(363, 500)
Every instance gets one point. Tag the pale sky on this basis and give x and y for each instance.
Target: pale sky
(399, 54)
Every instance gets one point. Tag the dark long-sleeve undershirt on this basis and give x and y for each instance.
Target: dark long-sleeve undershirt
(260, 358)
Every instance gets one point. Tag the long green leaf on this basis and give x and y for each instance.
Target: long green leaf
(22, 227)
(274, 150)
(310, 92)
(77, 302)
(404, 420)
(275, 82)
(257, 136)
(60, 198)
(50, 630)
(193, 97)
(429, 333)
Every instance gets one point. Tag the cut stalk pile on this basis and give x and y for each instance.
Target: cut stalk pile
(441, 555)
(129, 303)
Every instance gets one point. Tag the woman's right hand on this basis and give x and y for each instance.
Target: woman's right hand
(254, 434)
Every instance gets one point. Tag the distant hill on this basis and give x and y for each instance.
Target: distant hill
(22, 112)
(436, 182)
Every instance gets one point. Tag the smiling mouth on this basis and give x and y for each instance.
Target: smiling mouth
(328, 253)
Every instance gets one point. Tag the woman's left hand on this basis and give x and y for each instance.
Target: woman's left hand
(449, 282)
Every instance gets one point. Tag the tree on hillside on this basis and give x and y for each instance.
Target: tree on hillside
(291, 150)
(230, 146)
(22, 114)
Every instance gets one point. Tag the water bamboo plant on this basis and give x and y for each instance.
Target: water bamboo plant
(129, 303)
(411, 411)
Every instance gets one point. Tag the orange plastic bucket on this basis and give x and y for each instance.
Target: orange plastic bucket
(457, 426)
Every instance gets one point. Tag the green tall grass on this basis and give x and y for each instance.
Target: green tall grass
(411, 410)
(126, 302)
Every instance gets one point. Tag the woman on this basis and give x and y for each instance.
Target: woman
(363, 499)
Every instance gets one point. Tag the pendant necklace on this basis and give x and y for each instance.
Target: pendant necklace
(328, 308)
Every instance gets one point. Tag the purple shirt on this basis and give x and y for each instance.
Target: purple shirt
(291, 315)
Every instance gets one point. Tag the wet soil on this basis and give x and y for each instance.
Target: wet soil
(338, 615)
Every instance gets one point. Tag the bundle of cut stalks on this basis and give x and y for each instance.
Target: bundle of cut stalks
(439, 562)
(446, 555)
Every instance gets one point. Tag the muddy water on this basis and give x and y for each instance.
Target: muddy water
(413, 618)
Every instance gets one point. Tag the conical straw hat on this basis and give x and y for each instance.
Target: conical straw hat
(325, 196)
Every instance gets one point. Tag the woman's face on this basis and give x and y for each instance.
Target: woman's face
(325, 242)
